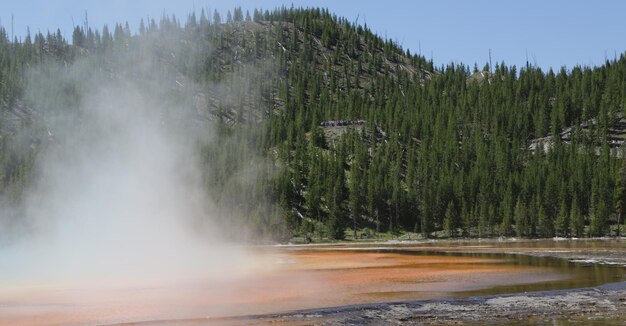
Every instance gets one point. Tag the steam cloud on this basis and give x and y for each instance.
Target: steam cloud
(118, 191)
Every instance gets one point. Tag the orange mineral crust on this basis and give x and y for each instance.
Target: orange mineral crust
(279, 279)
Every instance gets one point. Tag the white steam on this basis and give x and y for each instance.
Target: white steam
(119, 193)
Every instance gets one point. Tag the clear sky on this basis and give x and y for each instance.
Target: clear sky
(550, 33)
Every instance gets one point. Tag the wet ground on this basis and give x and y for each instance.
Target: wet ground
(380, 283)
(597, 263)
(601, 305)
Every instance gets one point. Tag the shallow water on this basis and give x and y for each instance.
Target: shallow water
(292, 278)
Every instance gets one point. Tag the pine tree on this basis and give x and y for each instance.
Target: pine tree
(545, 226)
(355, 195)
(620, 197)
(598, 219)
(238, 14)
(562, 222)
(577, 220)
(506, 227)
(217, 18)
(522, 223)
(450, 220)
(336, 221)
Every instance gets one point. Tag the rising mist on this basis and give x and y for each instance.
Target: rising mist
(118, 189)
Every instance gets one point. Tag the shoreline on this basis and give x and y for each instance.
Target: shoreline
(598, 255)
(596, 295)
(602, 305)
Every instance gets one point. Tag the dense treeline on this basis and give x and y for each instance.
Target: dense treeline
(444, 151)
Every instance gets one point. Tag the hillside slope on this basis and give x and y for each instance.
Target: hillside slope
(435, 151)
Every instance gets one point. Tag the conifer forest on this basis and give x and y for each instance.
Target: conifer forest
(323, 130)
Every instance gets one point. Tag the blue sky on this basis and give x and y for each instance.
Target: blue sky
(549, 33)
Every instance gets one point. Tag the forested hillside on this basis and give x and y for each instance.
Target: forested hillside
(326, 130)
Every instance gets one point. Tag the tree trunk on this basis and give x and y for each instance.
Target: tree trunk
(377, 223)
(390, 218)
(619, 223)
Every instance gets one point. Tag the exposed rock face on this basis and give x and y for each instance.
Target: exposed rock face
(615, 138)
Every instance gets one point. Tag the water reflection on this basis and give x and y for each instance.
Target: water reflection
(576, 274)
